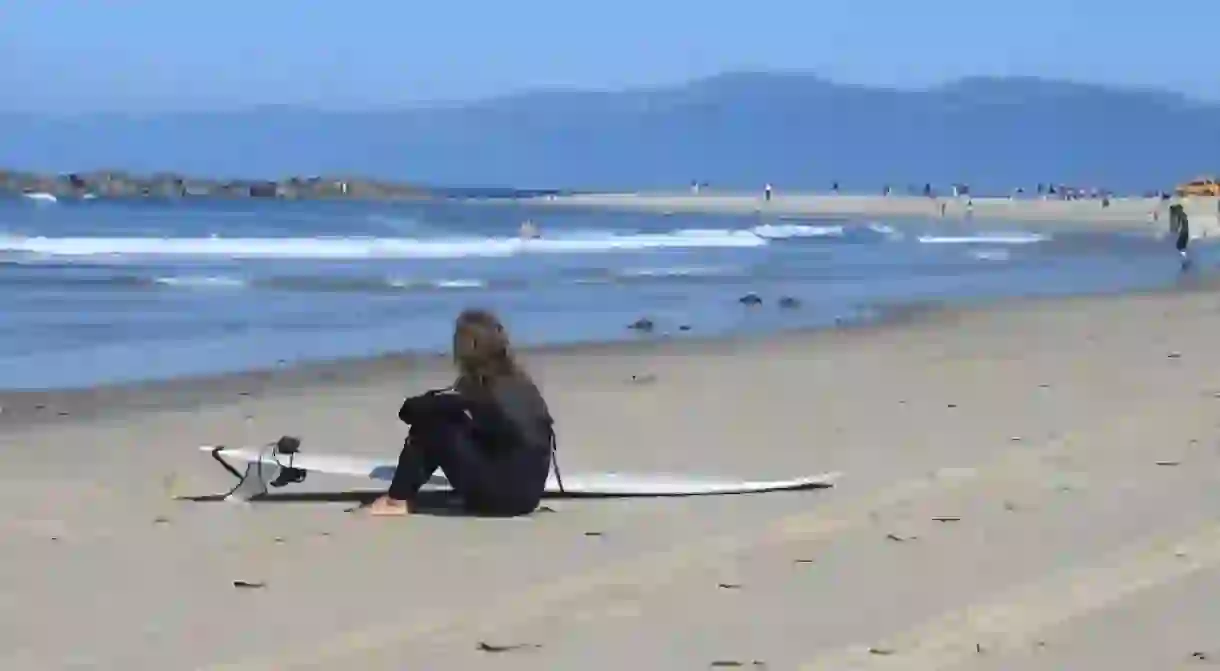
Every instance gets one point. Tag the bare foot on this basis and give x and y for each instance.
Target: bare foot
(385, 506)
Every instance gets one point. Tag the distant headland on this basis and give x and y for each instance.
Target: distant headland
(118, 184)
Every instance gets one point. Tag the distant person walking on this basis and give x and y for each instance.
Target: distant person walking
(767, 192)
(1179, 223)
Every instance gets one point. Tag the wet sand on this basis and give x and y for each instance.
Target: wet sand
(1029, 486)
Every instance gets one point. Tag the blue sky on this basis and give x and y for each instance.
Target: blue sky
(158, 54)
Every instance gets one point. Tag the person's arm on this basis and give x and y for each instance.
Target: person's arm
(431, 404)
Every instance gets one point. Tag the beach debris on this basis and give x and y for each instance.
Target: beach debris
(1175, 355)
(247, 584)
(881, 651)
(1168, 463)
(1200, 656)
(278, 540)
(803, 560)
(647, 378)
(729, 585)
(951, 405)
(978, 648)
(789, 303)
(727, 664)
(899, 538)
(593, 534)
(545, 509)
(750, 299)
(946, 519)
(160, 519)
(1015, 439)
(490, 647)
(642, 324)
(1011, 507)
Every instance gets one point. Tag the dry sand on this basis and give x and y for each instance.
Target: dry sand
(1123, 213)
(1027, 487)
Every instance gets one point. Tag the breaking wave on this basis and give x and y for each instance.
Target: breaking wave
(984, 239)
(372, 248)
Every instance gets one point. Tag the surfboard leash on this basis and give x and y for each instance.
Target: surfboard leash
(555, 459)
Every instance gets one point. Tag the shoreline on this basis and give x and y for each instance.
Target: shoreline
(25, 409)
(1123, 214)
(31, 408)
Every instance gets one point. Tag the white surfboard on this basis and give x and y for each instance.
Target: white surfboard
(265, 465)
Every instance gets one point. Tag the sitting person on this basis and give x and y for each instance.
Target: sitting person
(491, 433)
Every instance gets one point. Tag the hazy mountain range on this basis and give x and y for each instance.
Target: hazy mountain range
(738, 130)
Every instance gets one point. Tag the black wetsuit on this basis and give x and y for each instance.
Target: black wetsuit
(1183, 232)
(495, 445)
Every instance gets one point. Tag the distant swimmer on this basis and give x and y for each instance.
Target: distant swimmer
(1179, 223)
(529, 231)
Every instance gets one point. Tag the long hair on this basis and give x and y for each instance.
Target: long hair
(481, 349)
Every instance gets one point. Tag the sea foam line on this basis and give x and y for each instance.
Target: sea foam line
(355, 248)
(984, 239)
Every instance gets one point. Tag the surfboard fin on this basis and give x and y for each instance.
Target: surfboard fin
(255, 481)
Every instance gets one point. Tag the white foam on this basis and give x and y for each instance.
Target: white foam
(41, 196)
(888, 231)
(782, 231)
(677, 271)
(985, 239)
(459, 284)
(201, 281)
(357, 248)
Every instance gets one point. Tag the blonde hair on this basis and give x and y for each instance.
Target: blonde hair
(481, 348)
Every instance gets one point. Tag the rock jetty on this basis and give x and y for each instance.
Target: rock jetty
(121, 184)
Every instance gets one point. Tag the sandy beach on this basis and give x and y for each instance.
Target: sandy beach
(1123, 213)
(1030, 486)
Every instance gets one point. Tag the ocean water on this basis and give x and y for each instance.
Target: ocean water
(104, 291)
